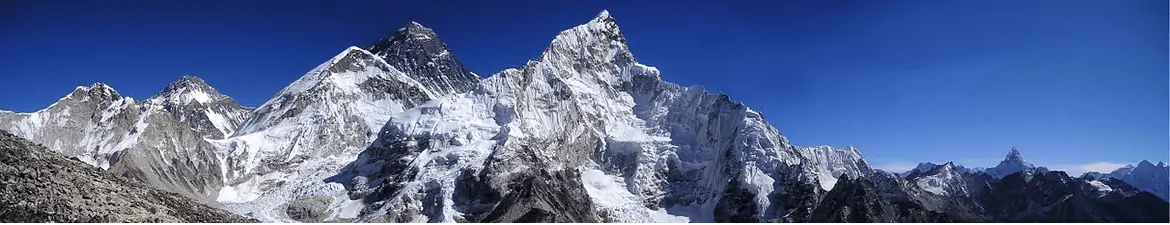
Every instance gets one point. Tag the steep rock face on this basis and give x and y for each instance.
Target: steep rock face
(39, 185)
(308, 131)
(159, 141)
(644, 149)
(830, 163)
(417, 51)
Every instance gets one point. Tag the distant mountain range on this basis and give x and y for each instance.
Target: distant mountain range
(401, 131)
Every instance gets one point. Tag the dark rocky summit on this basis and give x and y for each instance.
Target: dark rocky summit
(39, 185)
(418, 52)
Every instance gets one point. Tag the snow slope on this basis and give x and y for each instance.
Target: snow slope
(309, 130)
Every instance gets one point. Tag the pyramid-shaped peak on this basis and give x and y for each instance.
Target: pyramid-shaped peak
(1145, 163)
(602, 16)
(415, 25)
(413, 37)
(187, 81)
(190, 78)
(185, 90)
(1014, 155)
(350, 53)
(413, 30)
(601, 32)
(419, 53)
(349, 58)
(1161, 164)
(605, 21)
(96, 91)
(350, 50)
(99, 87)
(1011, 164)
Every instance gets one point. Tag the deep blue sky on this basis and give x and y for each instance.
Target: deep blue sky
(1067, 82)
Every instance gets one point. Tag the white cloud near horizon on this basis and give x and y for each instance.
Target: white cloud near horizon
(896, 167)
(1078, 169)
(1074, 170)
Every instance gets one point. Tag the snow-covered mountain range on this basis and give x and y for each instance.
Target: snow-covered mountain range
(1145, 176)
(401, 131)
(161, 140)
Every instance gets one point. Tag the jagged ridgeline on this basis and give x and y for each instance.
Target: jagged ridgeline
(161, 141)
(401, 131)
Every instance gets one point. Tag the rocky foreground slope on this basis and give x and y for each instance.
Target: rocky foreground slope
(39, 185)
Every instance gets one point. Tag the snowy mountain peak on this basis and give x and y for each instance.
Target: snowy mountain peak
(347, 71)
(419, 53)
(599, 42)
(354, 76)
(417, 30)
(1013, 163)
(311, 127)
(99, 92)
(603, 16)
(949, 165)
(186, 90)
(411, 31)
(98, 88)
(1014, 155)
(99, 85)
(187, 80)
(193, 102)
(1161, 164)
(604, 25)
